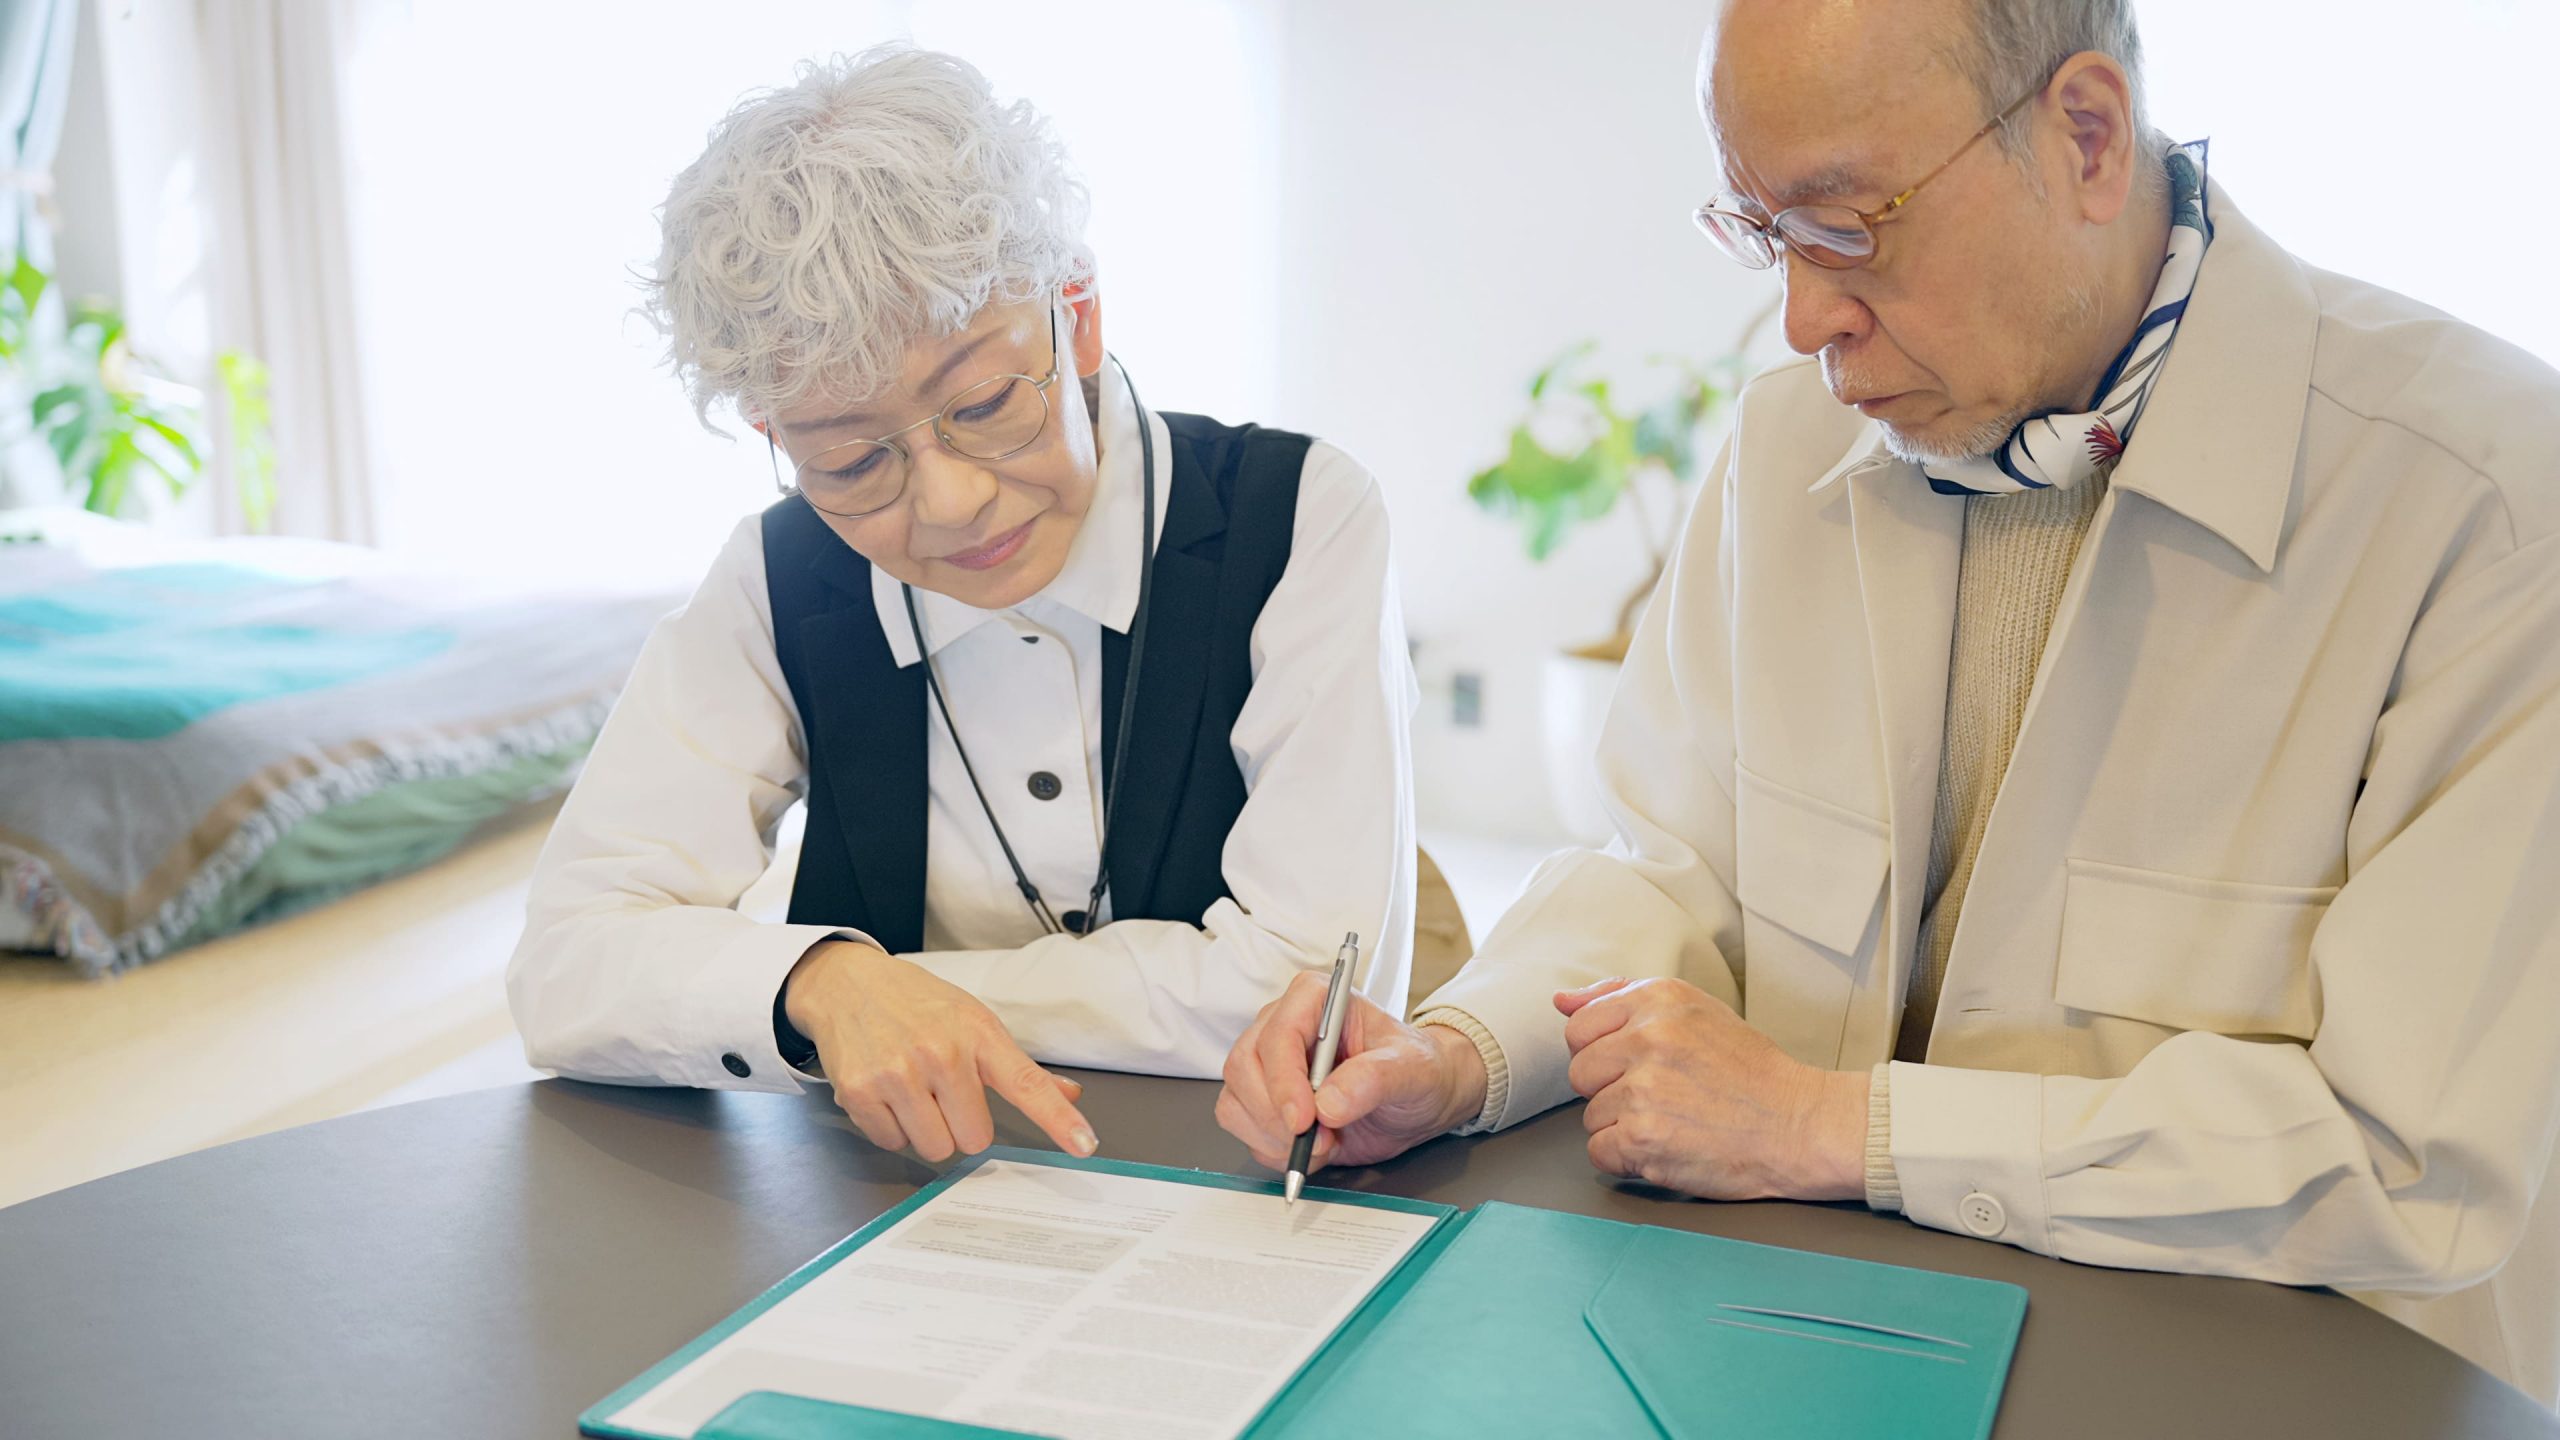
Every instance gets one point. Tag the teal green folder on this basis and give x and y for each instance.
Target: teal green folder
(1514, 1321)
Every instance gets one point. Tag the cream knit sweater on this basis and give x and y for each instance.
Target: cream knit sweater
(2018, 551)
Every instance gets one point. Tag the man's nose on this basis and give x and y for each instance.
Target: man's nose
(947, 491)
(1820, 311)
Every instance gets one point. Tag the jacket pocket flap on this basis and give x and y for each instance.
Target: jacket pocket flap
(1809, 865)
(2212, 955)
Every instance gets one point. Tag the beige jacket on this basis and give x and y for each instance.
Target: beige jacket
(2259, 973)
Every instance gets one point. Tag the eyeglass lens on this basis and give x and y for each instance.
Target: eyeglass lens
(991, 420)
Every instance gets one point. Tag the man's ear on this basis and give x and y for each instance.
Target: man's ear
(2096, 100)
(1084, 308)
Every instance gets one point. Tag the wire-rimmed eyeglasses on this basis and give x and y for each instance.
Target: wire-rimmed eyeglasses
(1835, 237)
(994, 419)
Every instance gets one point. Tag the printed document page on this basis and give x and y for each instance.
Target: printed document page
(1061, 1302)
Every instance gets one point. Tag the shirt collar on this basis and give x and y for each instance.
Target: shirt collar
(1099, 582)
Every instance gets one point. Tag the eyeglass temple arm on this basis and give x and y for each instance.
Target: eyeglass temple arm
(1898, 201)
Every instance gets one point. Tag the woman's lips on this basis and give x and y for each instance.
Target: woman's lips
(994, 553)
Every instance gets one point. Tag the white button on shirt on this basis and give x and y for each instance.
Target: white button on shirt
(635, 966)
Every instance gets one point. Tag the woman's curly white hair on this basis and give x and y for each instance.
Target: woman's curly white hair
(833, 222)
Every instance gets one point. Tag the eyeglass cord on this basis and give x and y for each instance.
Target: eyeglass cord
(1049, 922)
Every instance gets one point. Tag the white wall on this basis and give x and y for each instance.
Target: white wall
(1467, 189)
(2386, 141)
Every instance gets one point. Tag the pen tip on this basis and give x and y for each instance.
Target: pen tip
(1291, 1184)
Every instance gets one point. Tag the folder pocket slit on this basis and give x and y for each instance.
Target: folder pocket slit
(1837, 1340)
(1843, 1324)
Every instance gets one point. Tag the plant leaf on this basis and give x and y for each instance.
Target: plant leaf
(178, 440)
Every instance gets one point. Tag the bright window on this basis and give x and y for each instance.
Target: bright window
(510, 157)
(2380, 139)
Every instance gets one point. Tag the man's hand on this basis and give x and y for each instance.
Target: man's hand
(912, 1056)
(1392, 1087)
(1687, 1096)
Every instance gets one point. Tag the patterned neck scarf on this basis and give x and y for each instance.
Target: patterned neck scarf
(2055, 449)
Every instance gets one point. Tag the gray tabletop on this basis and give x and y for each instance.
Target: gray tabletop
(491, 1264)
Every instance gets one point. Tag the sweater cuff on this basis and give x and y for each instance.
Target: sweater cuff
(1497, 1071)
(1884, 1183)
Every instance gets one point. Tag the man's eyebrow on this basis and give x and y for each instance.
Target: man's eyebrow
(932, 383)
(1830, 183)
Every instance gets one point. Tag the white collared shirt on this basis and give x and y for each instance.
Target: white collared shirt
(636, 966)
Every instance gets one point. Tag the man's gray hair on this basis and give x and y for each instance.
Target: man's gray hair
(833, 222)
(2016, 45)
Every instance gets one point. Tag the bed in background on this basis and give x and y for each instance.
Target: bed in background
(196, 737)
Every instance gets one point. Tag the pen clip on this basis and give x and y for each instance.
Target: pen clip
(1343, 961)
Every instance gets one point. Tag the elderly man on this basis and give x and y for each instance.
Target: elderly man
(2092, 778)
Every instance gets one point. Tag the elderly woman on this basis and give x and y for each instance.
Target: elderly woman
(1099, 711)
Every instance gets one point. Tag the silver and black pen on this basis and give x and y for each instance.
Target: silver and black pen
(1337, 1000)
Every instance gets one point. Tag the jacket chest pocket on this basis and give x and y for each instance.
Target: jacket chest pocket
(2190, 954)
(1807, 865)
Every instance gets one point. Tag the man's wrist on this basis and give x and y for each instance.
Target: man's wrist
(1461, 1066)
(1831, 1149)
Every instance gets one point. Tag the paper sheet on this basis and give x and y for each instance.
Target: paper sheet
(1061, 1302)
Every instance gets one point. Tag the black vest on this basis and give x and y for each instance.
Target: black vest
(1225, 541)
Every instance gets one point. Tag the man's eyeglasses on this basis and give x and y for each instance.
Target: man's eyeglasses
(1835, 237)
(996, 418)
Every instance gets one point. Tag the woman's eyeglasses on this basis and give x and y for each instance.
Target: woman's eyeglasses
(996, 418)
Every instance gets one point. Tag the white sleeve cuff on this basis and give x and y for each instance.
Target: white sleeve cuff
(1968, 1149)
(731, 1003)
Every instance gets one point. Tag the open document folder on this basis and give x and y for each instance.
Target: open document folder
(1035, 1294)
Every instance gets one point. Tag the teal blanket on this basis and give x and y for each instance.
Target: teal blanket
(188, 748)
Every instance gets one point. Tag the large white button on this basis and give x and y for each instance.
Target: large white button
(1982, 1215)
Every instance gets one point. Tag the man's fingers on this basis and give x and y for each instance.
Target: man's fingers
(1034, 1091)
(1280, 1052)
(1328, 1149)
(1235, 1120)
(1362, 1083)
(1597, 1015)
(1569, 1002)
(1599, 1065)
(1608, 1151)
(1607, 1108)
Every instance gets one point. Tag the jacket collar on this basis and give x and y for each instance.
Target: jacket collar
(2224, 430)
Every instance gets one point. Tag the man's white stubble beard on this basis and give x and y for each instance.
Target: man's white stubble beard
(2071, 317)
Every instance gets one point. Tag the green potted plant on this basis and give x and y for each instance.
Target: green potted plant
(1573, 459)
(106, 423)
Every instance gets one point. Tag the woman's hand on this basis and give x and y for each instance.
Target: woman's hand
(912, 1056)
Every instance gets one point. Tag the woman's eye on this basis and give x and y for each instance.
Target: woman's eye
(986, 409)
(868, 463)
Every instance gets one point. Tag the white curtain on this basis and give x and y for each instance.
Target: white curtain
(277, 169)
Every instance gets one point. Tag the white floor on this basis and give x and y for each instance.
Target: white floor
(390, 996)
